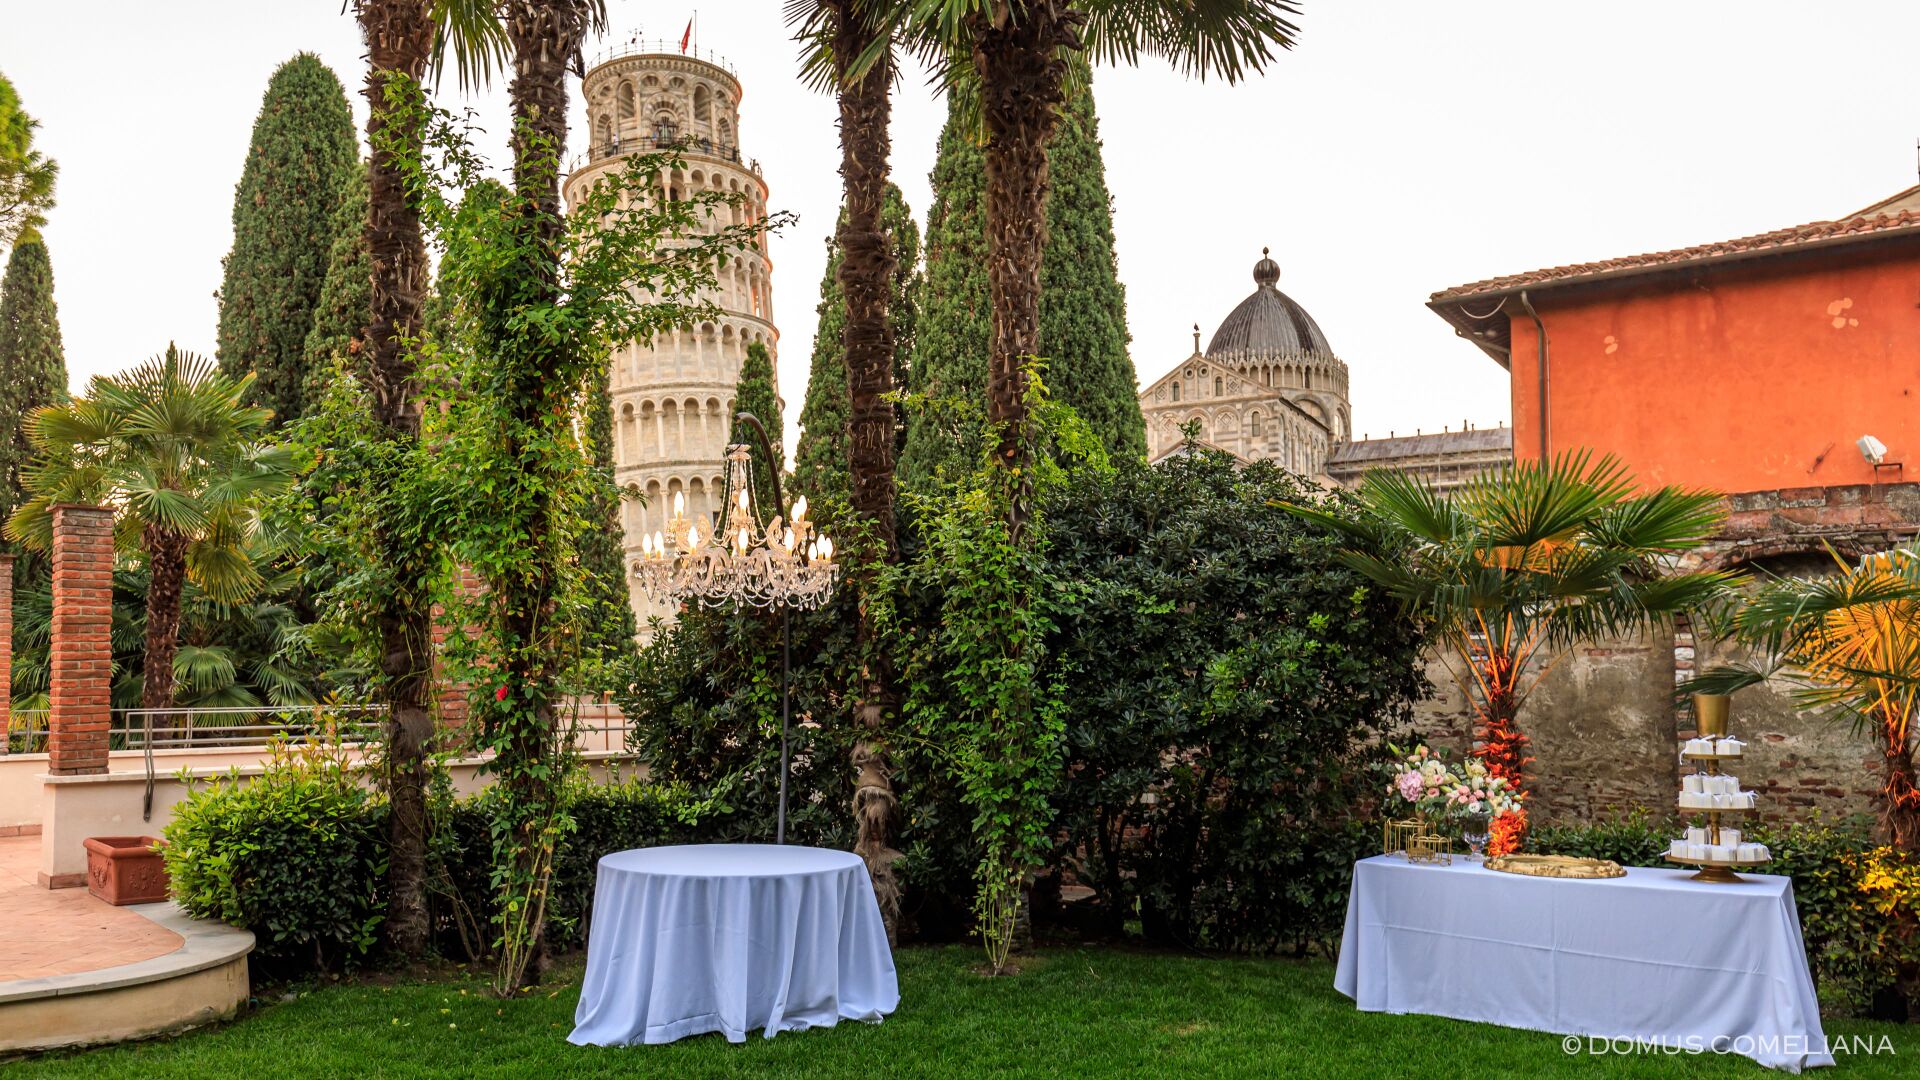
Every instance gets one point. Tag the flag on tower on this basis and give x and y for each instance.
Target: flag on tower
(686, 37)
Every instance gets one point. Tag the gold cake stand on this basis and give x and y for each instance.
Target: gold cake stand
(1711, 713)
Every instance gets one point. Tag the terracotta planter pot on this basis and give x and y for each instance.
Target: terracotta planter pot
(126, 870)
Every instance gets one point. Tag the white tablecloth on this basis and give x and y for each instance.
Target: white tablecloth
(1651, 956)
(729, 938)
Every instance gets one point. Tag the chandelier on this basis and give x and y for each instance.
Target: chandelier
(784, 565)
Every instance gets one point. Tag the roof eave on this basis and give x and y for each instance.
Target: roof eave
(1451, 307)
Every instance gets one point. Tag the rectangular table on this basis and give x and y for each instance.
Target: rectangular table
(1650, 956)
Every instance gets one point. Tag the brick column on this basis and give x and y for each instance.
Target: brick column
(82, 654)
(450, 695)
(6, 649)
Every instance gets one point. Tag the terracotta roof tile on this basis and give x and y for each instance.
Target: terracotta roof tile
(1779, 238)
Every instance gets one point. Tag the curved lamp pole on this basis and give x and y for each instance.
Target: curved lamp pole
(786, 634)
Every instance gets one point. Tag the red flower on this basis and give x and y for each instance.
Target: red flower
(500, 694)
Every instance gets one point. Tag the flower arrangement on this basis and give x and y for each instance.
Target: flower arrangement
(1508, 834)
(1422, 781)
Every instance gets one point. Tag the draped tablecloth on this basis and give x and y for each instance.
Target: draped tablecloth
(1651, 956)
(729, 938)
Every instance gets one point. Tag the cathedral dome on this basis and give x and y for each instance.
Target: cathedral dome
(1268, 323)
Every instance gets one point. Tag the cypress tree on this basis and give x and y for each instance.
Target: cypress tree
(955, 328)
(1083, 316)
(33, 363)
(1083, 306)
(820, 468)
(603, 544)
(756, 393)
(302, 152)
(345, 305)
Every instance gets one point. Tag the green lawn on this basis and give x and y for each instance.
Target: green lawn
(1074, 1012)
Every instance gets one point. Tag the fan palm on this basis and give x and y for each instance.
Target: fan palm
(1509, 572)
(1010, 62)
(403, 37)
(1848, 644)
(839, 33)
(174, 449)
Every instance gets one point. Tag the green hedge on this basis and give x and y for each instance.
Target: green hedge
(298, 856)
(607, 817)
(1862, 931)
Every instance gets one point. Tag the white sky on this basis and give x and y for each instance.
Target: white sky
(1403, 147)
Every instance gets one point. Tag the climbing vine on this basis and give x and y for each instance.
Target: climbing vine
(543, 296)
(978, 684)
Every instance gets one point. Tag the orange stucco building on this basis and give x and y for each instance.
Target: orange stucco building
(1753, 364)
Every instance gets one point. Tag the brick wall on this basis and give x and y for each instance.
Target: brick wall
(450, 695)
(82, 655)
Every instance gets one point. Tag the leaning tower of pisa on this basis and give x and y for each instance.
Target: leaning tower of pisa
(673, 400)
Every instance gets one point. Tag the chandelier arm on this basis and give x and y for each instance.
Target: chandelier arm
(773, 466)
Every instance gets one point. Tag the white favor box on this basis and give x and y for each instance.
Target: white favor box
(1696, 834)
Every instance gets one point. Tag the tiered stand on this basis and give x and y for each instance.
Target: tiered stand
(1710, 712)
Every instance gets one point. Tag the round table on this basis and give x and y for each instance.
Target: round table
(729, 938)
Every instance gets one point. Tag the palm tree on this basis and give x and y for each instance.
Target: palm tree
(1848, 643)
(840, 31)
(1011, 62)
(1509, 572)
(172, 446)
(534, 383)
(402, 38)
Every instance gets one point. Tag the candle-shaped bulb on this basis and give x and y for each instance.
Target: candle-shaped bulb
(659, 542)
(743, 500)
(741, 542)
(788, 542)
(800, 508)
(813, 549)
(693, 536)
(826, 548)
(679, 504)
(646, 544)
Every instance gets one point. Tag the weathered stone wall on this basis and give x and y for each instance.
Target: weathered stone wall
(1601, 726)
(1605, 737)
(1606, 733)
(1797, 760)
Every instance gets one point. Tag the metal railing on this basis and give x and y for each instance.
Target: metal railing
(592, 727)
(208, 729)
(636, 45)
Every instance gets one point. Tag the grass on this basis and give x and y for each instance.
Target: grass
(1071, 1013)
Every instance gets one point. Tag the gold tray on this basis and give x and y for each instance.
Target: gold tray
(1711, 757)
(1556, 866)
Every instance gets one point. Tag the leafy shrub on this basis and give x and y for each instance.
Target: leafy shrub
(1637, 838)
(608, 817)
(703, 699)
(296, 855)
(1226, 681)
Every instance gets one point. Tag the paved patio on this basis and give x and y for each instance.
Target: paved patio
(63, 931)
